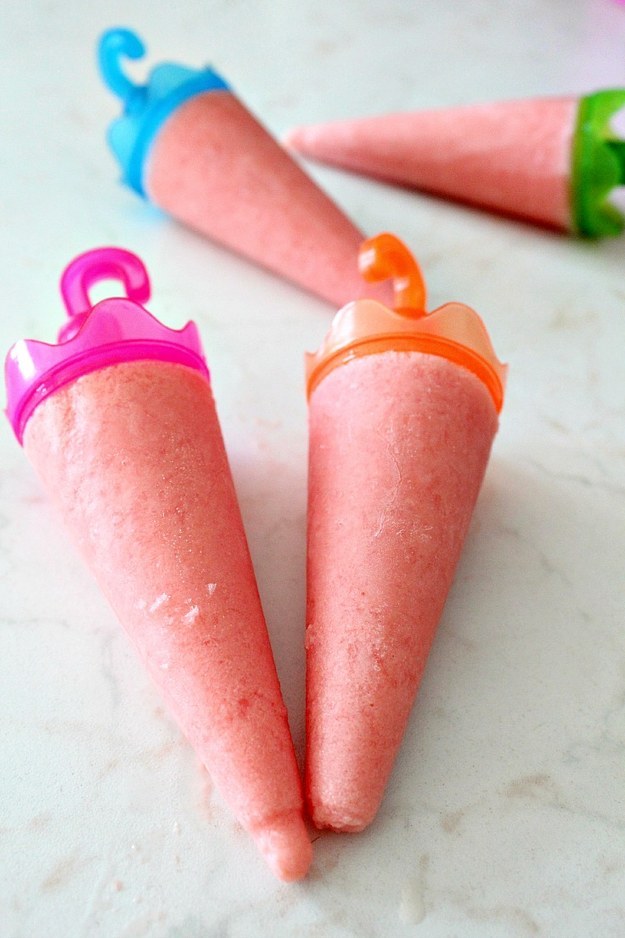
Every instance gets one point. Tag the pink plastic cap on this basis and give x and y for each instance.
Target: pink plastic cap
(116, 330)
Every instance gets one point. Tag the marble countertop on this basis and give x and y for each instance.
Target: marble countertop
(505, 815)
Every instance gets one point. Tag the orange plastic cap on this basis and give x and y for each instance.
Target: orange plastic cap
(366, 327)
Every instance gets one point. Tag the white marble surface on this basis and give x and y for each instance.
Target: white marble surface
(505, 815)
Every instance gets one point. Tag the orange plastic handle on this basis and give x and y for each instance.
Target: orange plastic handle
(385, 257)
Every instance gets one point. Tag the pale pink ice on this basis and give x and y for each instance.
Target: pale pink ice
(513, 157)
(214, 167)
(133, 456)
(399, 443)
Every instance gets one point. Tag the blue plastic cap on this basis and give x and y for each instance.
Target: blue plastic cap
(147, 106)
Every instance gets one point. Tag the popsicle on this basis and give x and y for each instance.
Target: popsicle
(119, 422)
(190, 146)
(553, 161)
(403, 408)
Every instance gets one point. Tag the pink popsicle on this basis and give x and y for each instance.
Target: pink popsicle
(400, 436)
(215, 168)
(512, 157)
(189, 145)
(132, 455)
(385, 535)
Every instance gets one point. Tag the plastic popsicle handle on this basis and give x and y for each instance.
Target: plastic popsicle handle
(88, 268)
(385, 257)
(114, 44)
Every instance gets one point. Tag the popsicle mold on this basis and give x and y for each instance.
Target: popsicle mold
(113, 331)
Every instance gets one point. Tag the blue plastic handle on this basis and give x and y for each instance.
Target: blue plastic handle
(114, 44)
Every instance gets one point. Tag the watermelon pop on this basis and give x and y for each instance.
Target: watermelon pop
(403, 409)
(119, 422)
(189, 145)
(552, 161)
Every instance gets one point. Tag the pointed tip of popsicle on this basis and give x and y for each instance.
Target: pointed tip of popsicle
(286, 846)
(301, 139)
(335, 818)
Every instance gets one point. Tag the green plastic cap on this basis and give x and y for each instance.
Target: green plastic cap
(598, 165)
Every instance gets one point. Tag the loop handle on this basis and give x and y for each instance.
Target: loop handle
(89, 268)
(385, 257)
(114, 44)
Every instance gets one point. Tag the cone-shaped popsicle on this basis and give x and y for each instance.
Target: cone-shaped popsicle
(403, 410)
(189, 145)
(119, 422)
(552, 161)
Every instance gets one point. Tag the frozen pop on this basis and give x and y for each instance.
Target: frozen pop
(189, 145)
(403, 409)
(119, 422)
(553, 161)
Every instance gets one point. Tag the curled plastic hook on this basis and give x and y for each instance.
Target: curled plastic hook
(384, 257)
(114, 44)
(87, 269)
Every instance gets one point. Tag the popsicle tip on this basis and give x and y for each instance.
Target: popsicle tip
(336, 818)
(114, 44)
(306, 140)
(385, 257)
(294, 138)
(286, 846)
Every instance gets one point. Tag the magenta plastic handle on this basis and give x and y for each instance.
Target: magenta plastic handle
(89, 268)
